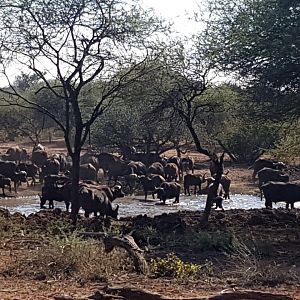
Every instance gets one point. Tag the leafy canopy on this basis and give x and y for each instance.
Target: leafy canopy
(259, 41)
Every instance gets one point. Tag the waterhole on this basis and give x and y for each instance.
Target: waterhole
(136, 205)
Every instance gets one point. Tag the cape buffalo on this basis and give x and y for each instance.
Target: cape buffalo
(15, 154)
(192, 180)
(10, 170)
(94, 201)
(265, 163)
(156, 168)
(39, 157)
(168, 190)
(31, 171)
(88, 172)
(281, 191)
(267, 174)
(150, 183)
(187, 164)
(51, 166)
(171, 171)
(56, 193)
(224, 182)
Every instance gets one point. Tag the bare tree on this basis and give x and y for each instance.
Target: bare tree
(190, 74)
(68, 45)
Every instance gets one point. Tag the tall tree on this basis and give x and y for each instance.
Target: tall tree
(187, 75)
(259, 41)
(75, 42)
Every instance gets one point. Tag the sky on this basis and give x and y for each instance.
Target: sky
(176, 11)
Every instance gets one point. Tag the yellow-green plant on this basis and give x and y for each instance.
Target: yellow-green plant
(173, 266)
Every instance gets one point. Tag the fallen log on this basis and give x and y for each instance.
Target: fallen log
(126, 242)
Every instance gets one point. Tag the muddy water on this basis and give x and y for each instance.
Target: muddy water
(135, 205)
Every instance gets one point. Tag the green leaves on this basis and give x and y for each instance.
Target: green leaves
(259, 41)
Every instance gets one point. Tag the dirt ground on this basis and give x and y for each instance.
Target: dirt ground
(276, 233)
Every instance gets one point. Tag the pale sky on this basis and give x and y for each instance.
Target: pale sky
(176, 11)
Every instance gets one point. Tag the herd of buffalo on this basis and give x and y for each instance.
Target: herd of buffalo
(128, 173)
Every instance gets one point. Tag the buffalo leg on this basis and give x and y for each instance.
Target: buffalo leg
(188, 191)
(33, 181)
(199, 190)
(67, 203)
(15, 186)
(176, 200)
(51, 204)
(287, 205)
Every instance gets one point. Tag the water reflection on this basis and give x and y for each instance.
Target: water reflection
(132, 206)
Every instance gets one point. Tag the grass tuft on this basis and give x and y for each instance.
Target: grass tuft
(70, 256)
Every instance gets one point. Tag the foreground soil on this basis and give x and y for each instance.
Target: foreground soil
(259, 260)
(263, 264)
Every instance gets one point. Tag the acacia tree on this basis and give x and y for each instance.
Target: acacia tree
(75, 42)
(189, 76)
(190, 73)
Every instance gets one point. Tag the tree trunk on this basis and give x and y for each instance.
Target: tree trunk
(194, 135)
(75, 185)
(213, 191)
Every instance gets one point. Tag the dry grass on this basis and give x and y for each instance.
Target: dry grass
(246, 267)
(66, 257)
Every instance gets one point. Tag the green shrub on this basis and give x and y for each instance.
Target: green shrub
(147, 236)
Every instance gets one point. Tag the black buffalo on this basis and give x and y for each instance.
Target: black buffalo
(31, 171)
(150, 183)
(113, 166)
(156, 168)
(187, 164)
(15, 154)
(267, 174)
(56, 180)
(281, 192)
(225, 183)
(53, 193)
(96, 201)
(265, 163)
(112, 193)
(171, 171)
(88, 172)
(168, 190)
(51, 166)
(39, 157)
(10, 170)
(192, 180)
